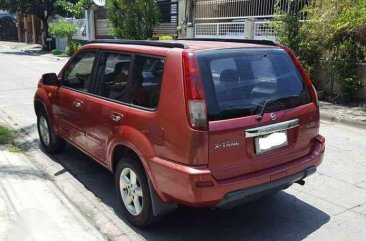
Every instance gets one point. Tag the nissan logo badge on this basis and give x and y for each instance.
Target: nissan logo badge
(273, 116)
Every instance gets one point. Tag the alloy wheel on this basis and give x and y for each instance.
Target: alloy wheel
(131, 191)
(44, 130)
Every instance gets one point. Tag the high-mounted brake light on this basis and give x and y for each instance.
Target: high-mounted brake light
(308, 82)
(194, 92)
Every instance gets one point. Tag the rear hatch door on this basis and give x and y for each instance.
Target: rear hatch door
(239, 85)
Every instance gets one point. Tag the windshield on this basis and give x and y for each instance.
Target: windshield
(239, 81)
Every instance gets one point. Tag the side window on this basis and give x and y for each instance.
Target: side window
(141, 87)
(113, 76)
(78, 73)
(146, 78)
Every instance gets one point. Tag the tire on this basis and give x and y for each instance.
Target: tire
(50, 142)
(134, 194)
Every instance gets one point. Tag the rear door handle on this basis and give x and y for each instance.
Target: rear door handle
(116, 117)
(77, 103)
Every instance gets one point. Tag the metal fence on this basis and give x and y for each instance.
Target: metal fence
(234, 9)
(264, 30)
(220, 30)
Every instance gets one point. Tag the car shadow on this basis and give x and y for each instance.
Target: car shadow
(278, 217)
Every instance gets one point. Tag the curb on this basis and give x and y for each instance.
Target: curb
(46, 55)
(344, 121)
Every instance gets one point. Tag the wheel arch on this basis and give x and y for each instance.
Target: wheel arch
(39, 107)
(120, 151)
(160, 207)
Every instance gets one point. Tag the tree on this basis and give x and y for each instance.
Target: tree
(43, 9)
(290, 31)
(77, 9)
(341, 23)
(132, 19)
(63, 29)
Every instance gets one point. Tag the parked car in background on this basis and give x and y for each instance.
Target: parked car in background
(190, 122)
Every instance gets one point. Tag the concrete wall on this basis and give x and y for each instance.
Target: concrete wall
(323, 82)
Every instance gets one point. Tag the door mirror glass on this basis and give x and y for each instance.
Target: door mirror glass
(50, 79)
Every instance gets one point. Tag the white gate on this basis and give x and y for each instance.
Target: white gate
(82, 25)
(234, 9)
(233, 30)
(264, 30)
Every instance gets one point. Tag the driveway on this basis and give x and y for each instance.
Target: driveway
(331, 206)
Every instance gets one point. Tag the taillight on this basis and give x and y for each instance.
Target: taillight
(314, 95)
(194, 92)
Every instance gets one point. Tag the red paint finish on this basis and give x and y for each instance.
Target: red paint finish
(184, 190)
(180, 160)
(240, 160)
(69, 110)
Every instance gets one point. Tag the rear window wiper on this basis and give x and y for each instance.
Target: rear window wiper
(271, 101)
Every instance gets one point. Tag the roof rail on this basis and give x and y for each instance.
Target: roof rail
(142, 42)
(246, 41)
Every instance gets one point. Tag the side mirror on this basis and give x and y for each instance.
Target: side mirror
(50, 79)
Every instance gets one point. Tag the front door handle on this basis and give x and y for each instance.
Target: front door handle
(116, 117)
(77, 103)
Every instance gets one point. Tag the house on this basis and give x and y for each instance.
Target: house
(30, 29)
(8, 27)
(235, 18)
(169, 15)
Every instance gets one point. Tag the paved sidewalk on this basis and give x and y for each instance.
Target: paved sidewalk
(354, 116)
(33, 208)
(31, 49)
(52, 195)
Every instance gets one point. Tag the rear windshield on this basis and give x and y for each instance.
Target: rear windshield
(239, 81)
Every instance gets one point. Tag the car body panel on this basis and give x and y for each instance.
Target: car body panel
(184, 188)
(241, 159)
(71, 120)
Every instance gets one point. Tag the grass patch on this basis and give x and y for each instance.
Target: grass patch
(15, 149)
(57, 52)
(6, 135)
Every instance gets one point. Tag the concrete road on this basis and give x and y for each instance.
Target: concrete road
(331, 206)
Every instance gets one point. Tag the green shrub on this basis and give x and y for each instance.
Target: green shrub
(132, 19)
(296, 34)
(6, 135)
(335, 30)
(57, 52)
(15, 149)
(72, 47)
(62, 29)
(165, 37)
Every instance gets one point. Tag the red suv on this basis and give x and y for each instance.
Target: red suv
(190, 122)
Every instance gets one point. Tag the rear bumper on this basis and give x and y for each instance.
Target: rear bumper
(238, 197)
(195, 186)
